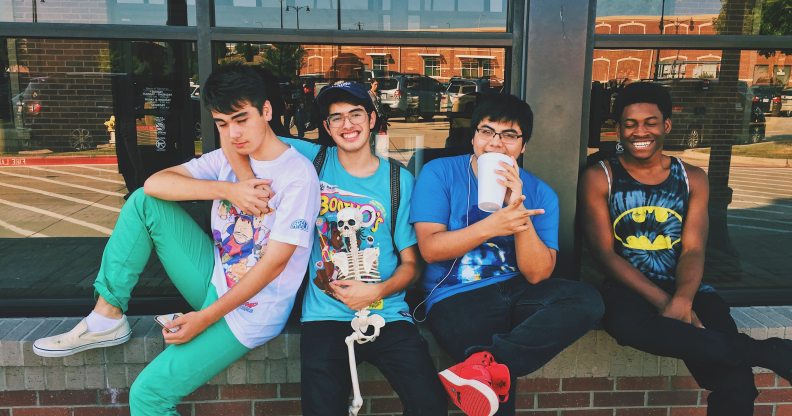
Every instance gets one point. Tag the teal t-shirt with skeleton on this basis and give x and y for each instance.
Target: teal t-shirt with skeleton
(354, 238)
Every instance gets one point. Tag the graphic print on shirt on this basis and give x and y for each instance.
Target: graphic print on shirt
(346, 226)
(242, 241)
(492, 258)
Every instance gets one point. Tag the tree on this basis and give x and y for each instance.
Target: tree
(284, 59)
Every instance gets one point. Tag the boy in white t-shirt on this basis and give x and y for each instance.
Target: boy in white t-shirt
(241, 282)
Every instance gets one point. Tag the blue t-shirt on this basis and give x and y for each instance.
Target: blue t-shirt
(446, 193)
(354, 239)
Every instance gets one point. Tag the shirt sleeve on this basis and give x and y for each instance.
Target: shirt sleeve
(296, 209)
(404, 234)
(206, 167)
(306, 148)
(546, 224)
(431, 200)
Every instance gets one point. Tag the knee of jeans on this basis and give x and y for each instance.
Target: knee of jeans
(589, 302)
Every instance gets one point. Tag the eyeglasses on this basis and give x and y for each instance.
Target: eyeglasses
(354, 117)
(508, 137)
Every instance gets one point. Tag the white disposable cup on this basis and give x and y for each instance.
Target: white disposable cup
(490, 192)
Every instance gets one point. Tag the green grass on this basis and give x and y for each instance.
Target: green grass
(779, 149)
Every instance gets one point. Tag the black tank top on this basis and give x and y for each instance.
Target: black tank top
(647, 220)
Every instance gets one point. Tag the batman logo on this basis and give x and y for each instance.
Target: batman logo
(649, 228)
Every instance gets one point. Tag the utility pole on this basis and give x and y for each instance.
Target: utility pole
(338, 13)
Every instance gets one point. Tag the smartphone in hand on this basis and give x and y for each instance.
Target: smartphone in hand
(165, 319)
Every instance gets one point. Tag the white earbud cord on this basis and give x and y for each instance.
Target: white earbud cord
(467, 224)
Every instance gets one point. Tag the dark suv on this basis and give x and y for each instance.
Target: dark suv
(411, 96)
(767, 98)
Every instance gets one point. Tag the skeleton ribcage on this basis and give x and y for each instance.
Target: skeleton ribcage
(358, 264)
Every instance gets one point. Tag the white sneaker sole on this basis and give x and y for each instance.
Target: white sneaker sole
(480, 399)
(65, 353)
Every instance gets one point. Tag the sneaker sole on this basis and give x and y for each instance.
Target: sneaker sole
(480, 399)
(65, 353)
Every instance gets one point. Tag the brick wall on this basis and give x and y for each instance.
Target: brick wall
(72, 82)
(576, 396)
(593, 377)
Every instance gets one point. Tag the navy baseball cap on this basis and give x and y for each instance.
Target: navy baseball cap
(342, 89)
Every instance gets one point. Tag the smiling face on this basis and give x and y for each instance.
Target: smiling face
(642, 130)
(350, 137)
(246, 128)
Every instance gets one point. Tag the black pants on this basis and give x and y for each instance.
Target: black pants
(718, 356)
(399, 352)
(523, 325)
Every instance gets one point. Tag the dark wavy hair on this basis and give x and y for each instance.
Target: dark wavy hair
(504, 108)
(230, 86)
(643, 92)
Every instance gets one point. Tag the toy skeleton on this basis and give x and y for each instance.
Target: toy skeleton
(355, 264)
(360, 325)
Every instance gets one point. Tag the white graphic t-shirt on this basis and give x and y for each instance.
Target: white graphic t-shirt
(241, 239)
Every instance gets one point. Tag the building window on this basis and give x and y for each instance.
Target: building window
(432, 66)
(379, 63)
(486, 68)
(670, 70)
(709, 70)
(470, 68)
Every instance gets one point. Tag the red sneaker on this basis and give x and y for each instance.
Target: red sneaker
(470, 388)
(501, 380)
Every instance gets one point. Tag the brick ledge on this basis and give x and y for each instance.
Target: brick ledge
(596, 355)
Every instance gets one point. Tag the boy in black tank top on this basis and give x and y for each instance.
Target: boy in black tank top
(647, 228)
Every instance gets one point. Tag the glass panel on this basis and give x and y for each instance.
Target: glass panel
(424, 112)
(82, 123)
(699, 17)
(128, 12)
(732, 116)
(435, 15)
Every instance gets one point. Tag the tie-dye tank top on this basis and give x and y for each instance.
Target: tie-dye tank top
(647, 220)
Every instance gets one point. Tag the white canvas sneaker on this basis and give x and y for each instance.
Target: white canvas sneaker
(80, 339)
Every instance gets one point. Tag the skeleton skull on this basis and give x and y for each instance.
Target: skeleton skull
(349, 220)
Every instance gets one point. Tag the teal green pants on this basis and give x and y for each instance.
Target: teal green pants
(187, 254)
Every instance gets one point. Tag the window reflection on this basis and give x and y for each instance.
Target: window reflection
(84, 122)
(436, 15)
(130, 12)
(681, 17)
(427, 93)
(730, 117)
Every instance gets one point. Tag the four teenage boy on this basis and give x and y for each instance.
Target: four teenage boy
(489, 300)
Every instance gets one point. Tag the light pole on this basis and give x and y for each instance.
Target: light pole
(281, 11)
(297, 9)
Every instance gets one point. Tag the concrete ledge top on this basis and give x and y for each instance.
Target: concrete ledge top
(594, 355)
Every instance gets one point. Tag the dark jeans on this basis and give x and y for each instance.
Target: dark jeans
(523, 325)
(399, 352)
(716, 356)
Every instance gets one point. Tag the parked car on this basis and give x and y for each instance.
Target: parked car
(768, 98)
(786, 102)
(696, 104)
(459, 87)
(411, 96)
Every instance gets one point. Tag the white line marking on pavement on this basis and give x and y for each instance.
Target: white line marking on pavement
(761, 228)
(61, 217)
(21, 231)
(66, 197)
(760, 219)
(96, 168)
(87, 188)
(753, 208)
(76, 174)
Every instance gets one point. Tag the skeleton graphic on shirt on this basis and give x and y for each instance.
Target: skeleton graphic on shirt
(347, 247)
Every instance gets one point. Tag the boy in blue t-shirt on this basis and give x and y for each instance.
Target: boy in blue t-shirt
(359, 261)
(489, 300)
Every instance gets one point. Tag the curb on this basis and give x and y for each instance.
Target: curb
(23, 160)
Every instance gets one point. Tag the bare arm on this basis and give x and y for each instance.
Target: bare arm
(593, 197)
(357, 295)
(259, 276)
(690, 268)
